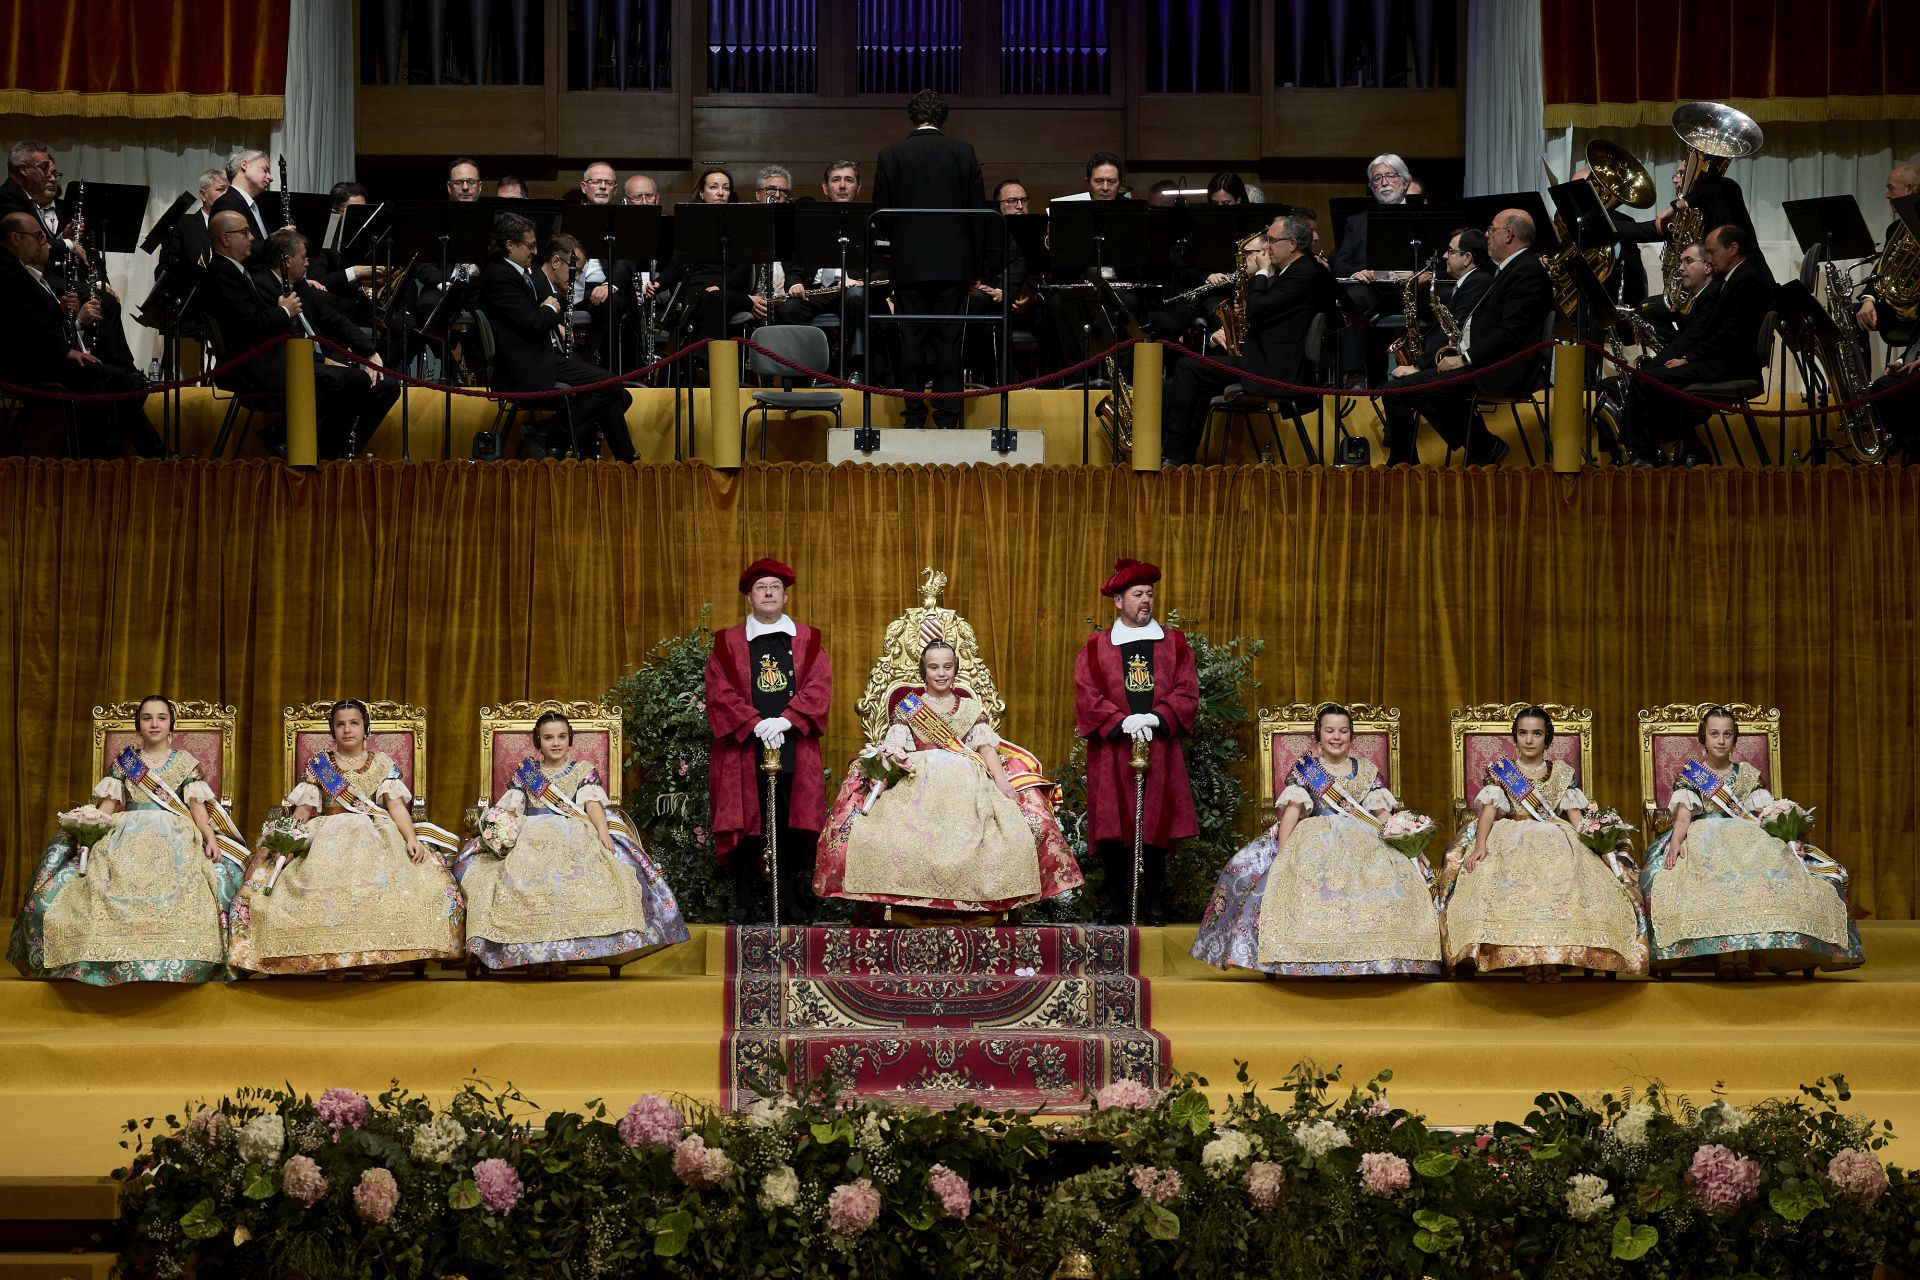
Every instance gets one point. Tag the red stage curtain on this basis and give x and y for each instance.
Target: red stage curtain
(208, 59)
(1615, 63)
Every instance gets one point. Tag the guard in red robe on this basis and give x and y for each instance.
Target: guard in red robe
(1136, 681)
(769, 684)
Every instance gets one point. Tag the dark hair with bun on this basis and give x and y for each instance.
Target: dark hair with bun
(1534, 712)
(155, 697)
(1718, 713)
(551, 717)
(1329, 709)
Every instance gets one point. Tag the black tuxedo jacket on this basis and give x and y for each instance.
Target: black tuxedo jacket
(325, 313)
(1510, 317)
(36, 347)
(928, 170)
(257, 217)
(14, 199)
(1280, 309)
(1351, 255)
(247, 317)
(524, 357)
(188, 241)
(1720, 340)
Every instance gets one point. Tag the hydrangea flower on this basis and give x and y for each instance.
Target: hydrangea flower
(780, 1189)
(436, 1141)
(1317, 1137)
(376, 1196)
(1384, 1174)
(700, 1167)
(263, 1138)
(1266, 1184)
(853, 1207)
(1126, 1095)
(1157, 1185)
(302, 1180)
(343, 1109)
(499, 1185)
(1858, 1174)
(652, 1122)
(1587, 1198)
(1222, 1155)
(1630, 1129)
(955, 1196)
(1720, 1180)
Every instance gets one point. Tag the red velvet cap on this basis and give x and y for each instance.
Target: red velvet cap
(1129, 573)
(764, 569)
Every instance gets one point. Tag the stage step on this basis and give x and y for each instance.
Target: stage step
(48, 1224)
(57, 1266)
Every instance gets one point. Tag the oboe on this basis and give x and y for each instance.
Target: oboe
(286, 218)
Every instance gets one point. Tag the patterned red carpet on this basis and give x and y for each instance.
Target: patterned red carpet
(1017, 1017)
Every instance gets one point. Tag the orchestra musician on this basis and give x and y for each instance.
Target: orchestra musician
(1505, 320)
(463, 181)
(1468, 265)
(593, 290)
(527, 313)
(1388, 181)
(510, 187)
(1011, 199)
(322, 315)
(1286, 287)
(640, 189)
(715, 300)
(32, 186)
(1900, 411)
(1719, 342)
(1904, 180)
(840, 184)
(249, 177)
(187, 242)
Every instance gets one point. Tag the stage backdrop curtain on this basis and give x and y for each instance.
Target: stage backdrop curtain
(1503, 134)
(456, 586)
(146, 59)
(1627, 62)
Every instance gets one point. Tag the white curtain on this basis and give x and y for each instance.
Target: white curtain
(1504, 99)
(168, 156)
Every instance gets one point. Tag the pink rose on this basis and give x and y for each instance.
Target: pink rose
(499, 1184)
(343, 1109)
(853, 1207)
(955, 1196)
(652, 1122)
(376, 1196)
(1384, 1174)
(1127, 1095)
(1266, 1184)
(302, 1180)
(1720, 1180)
(1858, 1174)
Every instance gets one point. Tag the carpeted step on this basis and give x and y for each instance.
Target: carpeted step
(1043, 951)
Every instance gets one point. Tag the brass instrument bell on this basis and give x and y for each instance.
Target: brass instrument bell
(1716, 135)
(1618, 177)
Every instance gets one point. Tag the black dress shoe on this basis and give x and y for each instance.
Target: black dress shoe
(1490, 456)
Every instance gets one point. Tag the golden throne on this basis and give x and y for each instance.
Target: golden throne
(204, 730)
(506, 738)
(1670, 736)
(898, 667)
(396, 728)
(1286, 734)
(1483, 734)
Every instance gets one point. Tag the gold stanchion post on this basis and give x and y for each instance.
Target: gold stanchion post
(1569, 419)
(1149, 362)
(721, 444)
(303, 448)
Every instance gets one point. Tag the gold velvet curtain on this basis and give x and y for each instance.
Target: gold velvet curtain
(454, 586)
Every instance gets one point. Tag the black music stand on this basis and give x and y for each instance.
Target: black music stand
(1090, 236)
(622, 231)
(311, 213)
(167, 221)
(1832, 224)
(166, 308)
(1480, 212)
(1808, 331)
(1340, 211)
(723, 233)
(1403, 239)
(446, 231)
(1217, 231)
(825, 232)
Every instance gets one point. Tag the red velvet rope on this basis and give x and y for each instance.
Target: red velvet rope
(976, 394)
(484, 393)
(141, 393)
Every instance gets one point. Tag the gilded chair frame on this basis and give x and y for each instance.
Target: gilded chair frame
(899, 661)
(383, 716)
(1299, 717)
(1497, 717)
(520, 717)
(189, 716)
(1752, 719)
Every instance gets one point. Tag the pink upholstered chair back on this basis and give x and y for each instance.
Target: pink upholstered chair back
(204, 730)
(506, 738)
(1484, 734)
(395, 728)
(1669, 737)
(1286, 734)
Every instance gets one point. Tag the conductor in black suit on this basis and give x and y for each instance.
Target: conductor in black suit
(935, 260)
(1508, 319)
(1286, 288)
(1720, 342)
(527, 312)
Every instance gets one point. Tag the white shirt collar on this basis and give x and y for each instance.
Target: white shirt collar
(757, 628)
(1124, 634)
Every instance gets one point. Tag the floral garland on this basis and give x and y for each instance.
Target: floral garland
(1150, 1183)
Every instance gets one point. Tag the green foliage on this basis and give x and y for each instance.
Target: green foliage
(592, 1207)
(663, 704)
(1216, 750)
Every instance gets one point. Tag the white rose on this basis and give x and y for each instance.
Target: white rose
(263, 1138)
(780, 1189)
(1587, 1197)
(1225, 1152)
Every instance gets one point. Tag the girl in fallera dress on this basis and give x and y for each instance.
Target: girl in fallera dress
(1321, 894)
(1520, 890)
(571, 887)
(151, 905)
(969, 829)
(368, 893)
(1724, 894)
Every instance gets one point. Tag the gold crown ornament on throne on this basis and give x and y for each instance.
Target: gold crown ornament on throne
(899, 662)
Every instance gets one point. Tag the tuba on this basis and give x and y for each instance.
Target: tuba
(1898, 281)
(1847, 367)
(1617, 179)
(1716, 135)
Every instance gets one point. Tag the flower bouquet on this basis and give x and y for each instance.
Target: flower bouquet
(1602, 830)
(499, 830)
(1408, 832)
(1785, 820)
(286, 837)
(881, 769)
(88, 825)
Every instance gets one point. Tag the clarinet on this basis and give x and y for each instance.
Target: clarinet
(286, 219)
(649, 312)
(83, 284)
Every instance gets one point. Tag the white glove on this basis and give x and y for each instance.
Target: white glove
(772, 732)
(1140, 727)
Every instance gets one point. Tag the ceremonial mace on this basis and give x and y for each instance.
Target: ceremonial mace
(1137, 757)
(770, 767)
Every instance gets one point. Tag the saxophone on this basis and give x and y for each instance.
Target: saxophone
(1848, 371)
(1686, 226)
(1449, 325)
(1232, 314)
(1410, 346)
(1115, 410)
